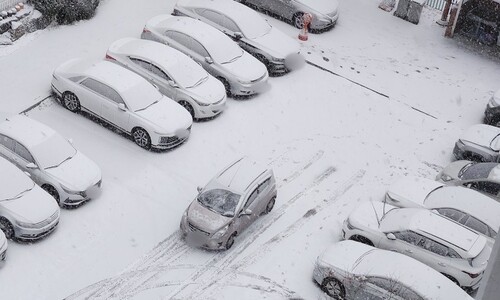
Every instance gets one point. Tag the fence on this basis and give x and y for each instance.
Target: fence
(6, 4)
(438, 4)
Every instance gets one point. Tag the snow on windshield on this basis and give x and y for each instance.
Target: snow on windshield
(220, 201)
(14, 182)
(254, 27)
(187, 73)
(141, 95)
(223, 50)
(53, 151)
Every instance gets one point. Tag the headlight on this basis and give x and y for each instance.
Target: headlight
(26, 225)
(325, 20)
(72, 192)
(221, 232)
(279, 60)
(201, 103)
(247, 83)
(445, 177)
(349, 225)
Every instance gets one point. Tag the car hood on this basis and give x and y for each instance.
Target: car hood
(78, 173)
(168, 116)
(246, 68)
(34, 206)
(209, 92)
(368, 214)
(412, 191)
(454, 168)
(321, 6)
(277, 43)
(205, 219)
(480, 134)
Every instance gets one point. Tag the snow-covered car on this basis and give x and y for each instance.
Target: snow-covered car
(325, 12)
(467, 207)
(228, 204)
(351, 270)
(26, 211)
(480, 143)
(174, 73)
(482, 177)
(124, 100)
(3, 247)
(241, 73)
(446, 246)
(50, 159)
(492, 112)
(252, 32)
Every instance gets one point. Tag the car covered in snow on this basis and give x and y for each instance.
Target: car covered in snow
(351, 270)
(446, 246)
(3, 247)
(482, 177)
(124, 100)
(27, 212)
(492, 112)
(51, 160)
(252, 32)
(241, 73)
(324, 12)
(174, 73)
(480, 143)
(467, 207)
(228, 204)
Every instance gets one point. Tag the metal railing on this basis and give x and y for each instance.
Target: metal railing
(7, 4)
(438, 4)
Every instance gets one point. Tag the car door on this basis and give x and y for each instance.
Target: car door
(22, 157)
(404, 243)
(89, 99)
(434, 254)
(265, 195)
(244, 220)
(380, 288)
(7, 146)
(155, 75)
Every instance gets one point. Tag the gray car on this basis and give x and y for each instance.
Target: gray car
(228, 204)
(324, 12)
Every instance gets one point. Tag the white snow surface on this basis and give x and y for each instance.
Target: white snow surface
(333, 145)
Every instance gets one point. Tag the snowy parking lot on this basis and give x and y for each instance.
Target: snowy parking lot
(377, 99)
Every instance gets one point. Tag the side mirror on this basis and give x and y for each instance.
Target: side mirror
(31, 166)
(238, 35)
(173, 84)
(391, 236)
(199, 189)
(209, 60)
(122, 107)
(246, 212)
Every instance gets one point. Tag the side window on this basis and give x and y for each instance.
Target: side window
(24, 153)
(488, 187)
(391, 286)
(198, 48)
(408, 294)
(102, 90)
(433, 246)
(159, 72)
(7, 142)
(252, 197)
(212, 16)
(453, 214)
(408, 236)
(180, 38)
(263, 186)
(477, 225)
(143, 64)
(229, 24)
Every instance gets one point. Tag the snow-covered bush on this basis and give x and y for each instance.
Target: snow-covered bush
(66, 11)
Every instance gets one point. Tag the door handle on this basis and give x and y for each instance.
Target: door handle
(408, 251)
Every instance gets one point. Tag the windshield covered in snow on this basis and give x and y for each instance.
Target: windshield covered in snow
(141, 96)
(223, 202)
(16, 184)
(53, 152)
(254, 27)
(477, 171)
(223, 50)
(187, 73)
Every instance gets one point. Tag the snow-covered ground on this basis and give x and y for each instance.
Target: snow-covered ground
(380, 99)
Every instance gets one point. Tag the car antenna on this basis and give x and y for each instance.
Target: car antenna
(376, 215)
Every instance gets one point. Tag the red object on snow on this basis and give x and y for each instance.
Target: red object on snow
(303, 33)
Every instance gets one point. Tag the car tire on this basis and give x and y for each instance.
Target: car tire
(226, 84)
(230, 241)
(53, 192)
(7, 228)
(141, 138)
(298, 20)
(188, 107)
(333, 288)
(361, 239)
(71, 102)
(270, 205)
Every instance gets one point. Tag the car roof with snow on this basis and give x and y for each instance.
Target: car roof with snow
(236, 11)
(424, 221)
(361, 259)
(480, 134)
(25, 130)
(240, 175)
(416, 188)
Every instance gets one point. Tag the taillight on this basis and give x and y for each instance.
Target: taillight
(110, 57)
(471, 275)
(145, 30)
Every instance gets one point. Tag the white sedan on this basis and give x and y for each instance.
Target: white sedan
(26, 211)
(124, 100)
(176, 75)
(467, 207)
(241, 73)
(50, 159)
(244, 25)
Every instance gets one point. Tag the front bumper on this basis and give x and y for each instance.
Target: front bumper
(36, 233)
(257, 86)
(199, 238)
(169, 142)
(317, 24)
(212, 110)
(84, 196)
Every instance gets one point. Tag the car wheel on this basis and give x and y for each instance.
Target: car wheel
(230, 241)
(71, 102)
(7, 228)
(333, 288)
(361, 239)
(52, 191)
(141, 138)
(226, 84)
(188, 107)
(298, 20)
(451, 278)
(270, 205)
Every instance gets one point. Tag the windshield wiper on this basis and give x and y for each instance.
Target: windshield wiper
(153, 103)
(66, 159)
(233, 59)
(199, 82)
(19, 195)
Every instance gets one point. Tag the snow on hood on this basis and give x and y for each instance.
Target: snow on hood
(78, 173)
(34, 206)
(413, 190)
(209, 91)
(321, 6)
(368, 214)
(168, 115)
(277, 43)
(206, 219)
(13, 181)
(246, 68)
(481, 134)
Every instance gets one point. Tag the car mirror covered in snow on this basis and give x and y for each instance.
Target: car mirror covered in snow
(31, 166)
(238, 35)
(122, 107)
(391, 236)
(209, 60)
